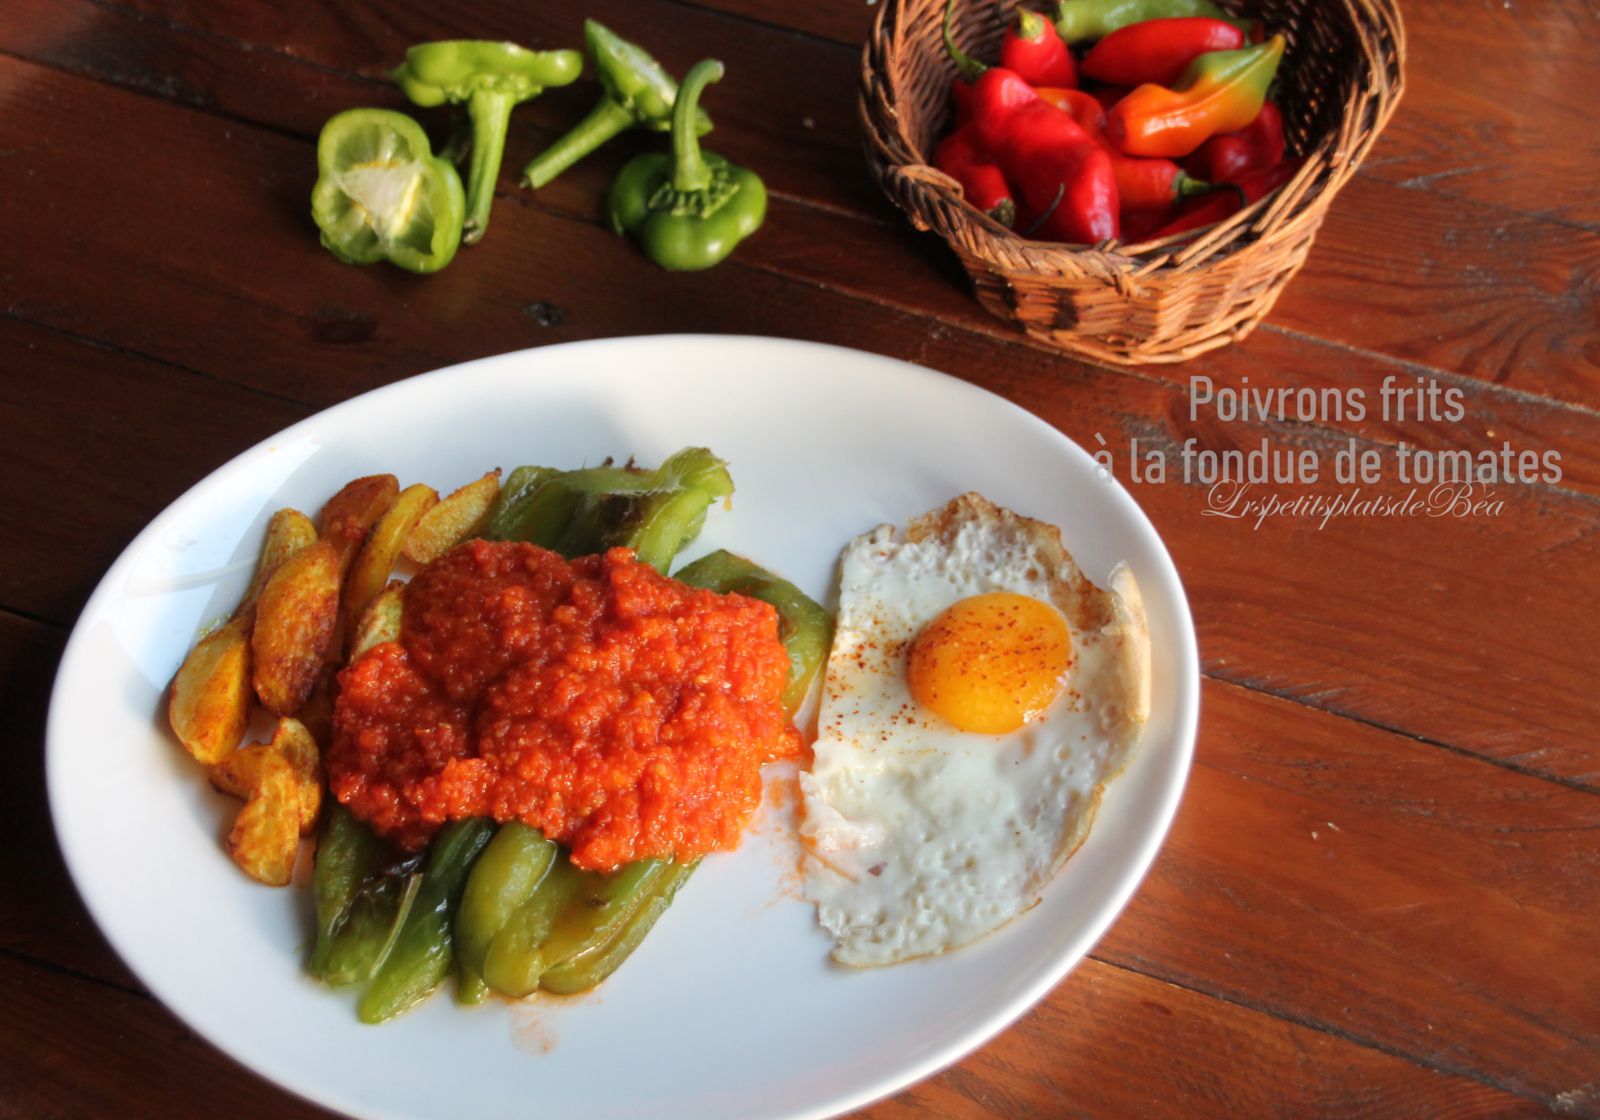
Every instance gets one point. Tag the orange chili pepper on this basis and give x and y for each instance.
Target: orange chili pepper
(1221, 91)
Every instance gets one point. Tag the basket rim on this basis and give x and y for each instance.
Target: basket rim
(1381, 35)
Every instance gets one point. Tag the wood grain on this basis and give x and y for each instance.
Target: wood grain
(796, 121)
(1381, 889)
(1379, 897)
(123, 435)
(1305, 613)
(1053, 1064)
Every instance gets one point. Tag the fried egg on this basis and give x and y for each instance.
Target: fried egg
(979, 694)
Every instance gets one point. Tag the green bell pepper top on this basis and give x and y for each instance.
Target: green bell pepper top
(688, 210)
(490, 78)
(382, 195)
(638, 93)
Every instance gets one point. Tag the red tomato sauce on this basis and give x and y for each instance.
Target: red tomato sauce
(625, 714)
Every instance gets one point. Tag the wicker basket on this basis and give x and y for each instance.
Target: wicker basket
(1159, 301)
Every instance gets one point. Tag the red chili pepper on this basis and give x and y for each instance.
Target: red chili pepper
(1143, 185)
(1108, 96)
(1229, 155)
(982, 182)
(1034, 52)
(1084, 107)
(1157, 50)
(1138, 227)
(1064, 177)
(961, 101)
(1213, 208)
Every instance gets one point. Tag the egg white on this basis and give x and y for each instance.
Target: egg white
(921, 837)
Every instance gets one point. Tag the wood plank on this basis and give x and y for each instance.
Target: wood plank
(1109, 1042)
(40, 912)
(74, 1048)
(1500, 107)
(1358, 881)
(1407, 900)
(82, 416)
(1344, 617)
(1524, 319)
(71, 1048)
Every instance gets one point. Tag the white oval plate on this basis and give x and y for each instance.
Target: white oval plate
(731, 1007)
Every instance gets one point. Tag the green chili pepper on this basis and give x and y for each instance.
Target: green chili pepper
(363, 895)
(691, 208)
(638, 93)
(491, 78)
(505, 876)
(422, 952)
(1080, 20)
(569, 919)
(602, 956)
(513, 964)
(577, 513)
(381, 194)
(805, 629)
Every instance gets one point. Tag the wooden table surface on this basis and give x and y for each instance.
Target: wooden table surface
(1381, 895)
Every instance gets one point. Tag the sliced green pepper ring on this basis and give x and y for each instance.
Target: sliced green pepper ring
(382, 194)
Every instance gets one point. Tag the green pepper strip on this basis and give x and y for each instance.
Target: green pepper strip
(636, 93)
(505, 876)
(363, 896)
(600, 958)
(805, 629)
(576, 513)
(423, 951)
(691, 209)
(513, 964)
(490, 79)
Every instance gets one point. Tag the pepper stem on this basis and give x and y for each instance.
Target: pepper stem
(1030, 25)
(604, 121)
(689, 170)
(491, 117)
(459, 141)
(968, 67)
(1185, 185)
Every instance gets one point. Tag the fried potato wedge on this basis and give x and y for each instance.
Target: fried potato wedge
(380, 622)
(266, 835)
(210, 704)
(351, 513)
(456, 518)
(242, 771)
(294, 625)
(376, 560)
(288, 532)
(317, 712)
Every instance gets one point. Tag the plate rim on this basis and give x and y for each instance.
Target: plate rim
(1185, 718)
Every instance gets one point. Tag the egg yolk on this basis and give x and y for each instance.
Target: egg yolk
(990, 663)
